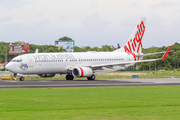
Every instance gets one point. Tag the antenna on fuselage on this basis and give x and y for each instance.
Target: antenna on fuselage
(36, 51)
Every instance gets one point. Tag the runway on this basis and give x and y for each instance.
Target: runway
(86, 83)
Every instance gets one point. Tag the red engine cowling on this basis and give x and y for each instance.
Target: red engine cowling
(82, 72)
(46, 75)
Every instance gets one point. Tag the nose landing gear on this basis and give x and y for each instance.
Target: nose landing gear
(16, 78)
(21, 78)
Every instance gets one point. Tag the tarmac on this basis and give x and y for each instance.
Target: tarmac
(87, 83)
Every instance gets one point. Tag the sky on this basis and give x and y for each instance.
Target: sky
(89, 22)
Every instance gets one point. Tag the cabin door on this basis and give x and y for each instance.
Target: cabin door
(31, 62)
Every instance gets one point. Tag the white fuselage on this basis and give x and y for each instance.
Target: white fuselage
(83, 64)
(60, 63)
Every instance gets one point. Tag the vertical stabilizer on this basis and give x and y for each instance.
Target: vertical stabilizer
(134, 44)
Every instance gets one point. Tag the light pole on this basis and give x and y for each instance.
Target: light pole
(5, 57)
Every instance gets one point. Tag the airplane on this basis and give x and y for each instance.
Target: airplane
(83, 64)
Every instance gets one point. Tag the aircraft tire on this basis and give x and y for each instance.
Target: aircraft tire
(71, 77)
(21, 78)
(67, 77)
(93, 77)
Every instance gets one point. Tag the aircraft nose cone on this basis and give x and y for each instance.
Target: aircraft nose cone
(8, 67)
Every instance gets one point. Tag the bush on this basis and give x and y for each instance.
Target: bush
(178, 69)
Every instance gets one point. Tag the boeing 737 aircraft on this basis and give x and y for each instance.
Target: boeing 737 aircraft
(83, 64)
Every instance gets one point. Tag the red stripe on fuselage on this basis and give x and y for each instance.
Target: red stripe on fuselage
(45, 75)
(81, 71)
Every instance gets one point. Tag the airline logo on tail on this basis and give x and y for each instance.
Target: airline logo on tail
(135, 44)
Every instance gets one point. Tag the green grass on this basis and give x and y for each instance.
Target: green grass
(158, 74)
(121, 103)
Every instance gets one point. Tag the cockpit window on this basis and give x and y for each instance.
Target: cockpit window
(16, 60)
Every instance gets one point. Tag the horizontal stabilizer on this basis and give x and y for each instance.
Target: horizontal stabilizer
(142, 55)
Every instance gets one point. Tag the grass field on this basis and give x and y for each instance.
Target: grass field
(144, 74)
(116, 103)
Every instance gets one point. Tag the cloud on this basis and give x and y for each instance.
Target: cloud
(166, 4)
(5, 19)
(89, 22)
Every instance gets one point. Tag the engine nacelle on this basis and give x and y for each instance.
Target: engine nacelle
(82, 72)
(46, 75)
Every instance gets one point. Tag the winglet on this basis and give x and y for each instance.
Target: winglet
(165, 55)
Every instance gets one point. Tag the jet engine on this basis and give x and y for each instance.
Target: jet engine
(46, 75)
(82, 72)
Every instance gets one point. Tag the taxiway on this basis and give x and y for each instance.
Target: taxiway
(86, 83)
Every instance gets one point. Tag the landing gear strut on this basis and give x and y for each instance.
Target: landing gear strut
(93, 77)
(16, 78)
(69, 77)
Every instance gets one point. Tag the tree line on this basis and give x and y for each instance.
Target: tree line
(171, 62)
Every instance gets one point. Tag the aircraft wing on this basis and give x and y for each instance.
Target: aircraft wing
(129, 62)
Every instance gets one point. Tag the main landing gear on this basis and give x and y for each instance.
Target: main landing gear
(93, 77)
(69, 77)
